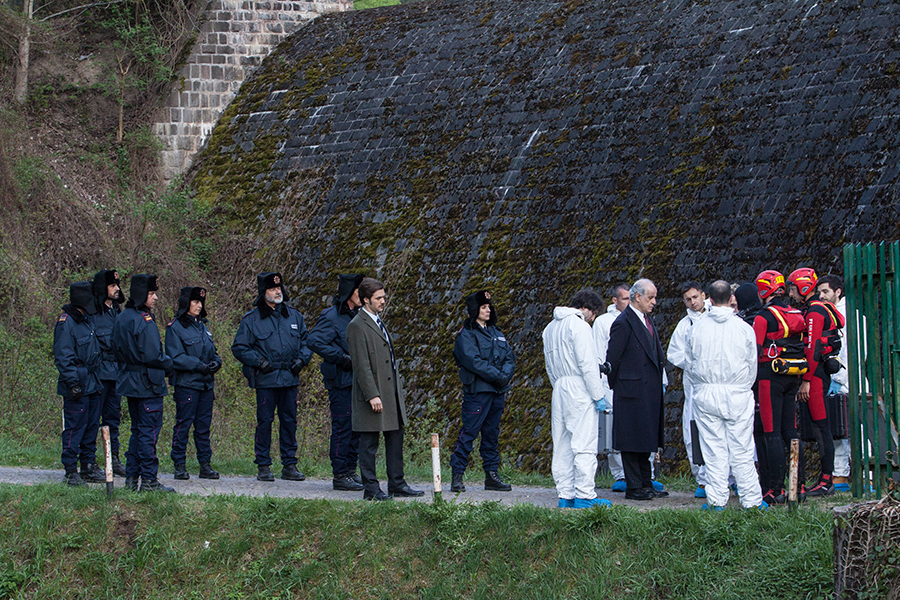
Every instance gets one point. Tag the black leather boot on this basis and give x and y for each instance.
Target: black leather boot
(345, 483)
(206, 472)
(290, 473)
(73, 479)
(117, 466)
(92, 473)
(493, 482)
(456, 484)
(131, 483)
(264, 473)
(155, 486)
(181, 472)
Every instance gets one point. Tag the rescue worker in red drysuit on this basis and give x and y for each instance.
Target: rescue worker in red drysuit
(778, 329)
(821, 340)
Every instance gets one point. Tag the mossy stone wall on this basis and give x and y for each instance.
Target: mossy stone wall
(534, 148)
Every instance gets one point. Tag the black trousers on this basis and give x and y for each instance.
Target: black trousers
(638, 473)
(393, 457)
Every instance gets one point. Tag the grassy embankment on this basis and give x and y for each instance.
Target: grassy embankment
(62, 543)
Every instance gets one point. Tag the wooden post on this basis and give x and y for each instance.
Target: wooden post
(108, 451)
(795, 465)
(436, 465)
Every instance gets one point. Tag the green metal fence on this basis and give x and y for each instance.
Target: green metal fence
(872, 289)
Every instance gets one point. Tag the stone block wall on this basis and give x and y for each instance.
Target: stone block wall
(236, 35)
(535, 147)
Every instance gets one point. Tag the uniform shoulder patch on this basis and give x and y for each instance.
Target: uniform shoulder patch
(62, 318)
(172, 322)
(147, 316)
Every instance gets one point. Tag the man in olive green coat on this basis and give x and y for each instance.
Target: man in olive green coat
(378, 398)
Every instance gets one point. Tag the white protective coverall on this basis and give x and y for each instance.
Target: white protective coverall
(722, 361)
(677, 355)
(571, 361)
(602, 325)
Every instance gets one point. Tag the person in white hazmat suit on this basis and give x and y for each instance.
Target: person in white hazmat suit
(696, 304)
(602, 325)
(722, 364)
(571, 361)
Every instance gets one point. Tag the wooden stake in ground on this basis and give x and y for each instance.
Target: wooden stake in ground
(108, 450)
(792, 481)
(436, 465)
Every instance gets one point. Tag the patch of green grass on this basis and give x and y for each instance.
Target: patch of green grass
(54, 539)
(364, 4)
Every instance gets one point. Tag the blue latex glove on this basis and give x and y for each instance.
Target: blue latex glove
(835, 387)
(600, 405)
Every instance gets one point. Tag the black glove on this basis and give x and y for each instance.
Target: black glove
(205, 369)
(501, 381)
(346, 364)
(76, 391)
(297, 366)
(264, 367)
(605, 369)
(215, 365)
(170, 372)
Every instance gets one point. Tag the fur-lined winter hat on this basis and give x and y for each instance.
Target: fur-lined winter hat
(475, 301)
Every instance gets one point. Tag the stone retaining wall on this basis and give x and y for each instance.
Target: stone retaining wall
(235, 36)
(535, 147)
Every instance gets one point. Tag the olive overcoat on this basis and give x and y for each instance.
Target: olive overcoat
(374, 375)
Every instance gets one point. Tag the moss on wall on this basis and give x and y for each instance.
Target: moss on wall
(534, 148)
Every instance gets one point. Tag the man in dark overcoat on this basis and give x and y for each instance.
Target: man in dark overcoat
(378, 399)
(636, 359)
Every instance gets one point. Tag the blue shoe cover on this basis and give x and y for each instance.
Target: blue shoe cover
(658, 486)
(842, 487)
(566, 503)
(733, 488)
(700, 493)
(712, 508)
(581, 503)
(763, 506)
(619, 485)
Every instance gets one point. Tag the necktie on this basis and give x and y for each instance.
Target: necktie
(649, 325)
(387, 337)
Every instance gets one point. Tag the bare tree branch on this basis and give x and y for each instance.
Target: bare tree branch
(82, 7)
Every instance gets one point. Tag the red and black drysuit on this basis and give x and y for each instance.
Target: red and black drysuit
(822, 324)
(778, 329)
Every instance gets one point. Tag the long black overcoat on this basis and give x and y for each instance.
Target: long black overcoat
(637, 361)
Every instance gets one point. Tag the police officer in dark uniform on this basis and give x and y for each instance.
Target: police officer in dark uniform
(271, 343)
(328, 339)
(76, 352)
(486, 364)
(142, 380)
(195, 361)
(109, 298)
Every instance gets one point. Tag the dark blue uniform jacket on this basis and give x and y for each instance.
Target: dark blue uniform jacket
(76, 352)
(190, 344)
(139, 352)
(103, 325)
(486, 360)
(278, 336)
(328, 339)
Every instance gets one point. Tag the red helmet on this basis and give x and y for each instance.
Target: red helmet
(769, 282)
(805, 279)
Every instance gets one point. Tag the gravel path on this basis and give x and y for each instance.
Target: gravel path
(321, 488)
